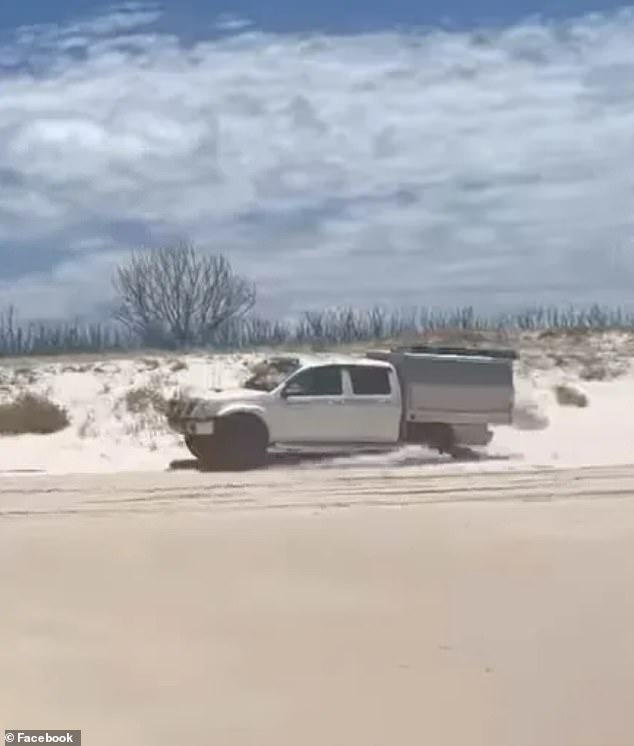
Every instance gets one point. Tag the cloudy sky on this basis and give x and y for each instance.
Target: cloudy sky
(381, 152)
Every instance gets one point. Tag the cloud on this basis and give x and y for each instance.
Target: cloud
(231, 22)
(488, 167)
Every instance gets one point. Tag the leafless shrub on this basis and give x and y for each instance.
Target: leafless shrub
(18, 338)
(175, 296)
(32, 413)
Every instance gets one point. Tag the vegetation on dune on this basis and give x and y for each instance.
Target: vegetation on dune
(317, 330)
(570, 396)
(142, 399)
(178, 298)
(32, 413)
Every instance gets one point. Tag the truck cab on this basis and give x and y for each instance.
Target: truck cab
(337, 402)
(350, 403)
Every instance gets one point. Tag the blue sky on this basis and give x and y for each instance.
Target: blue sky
(446, 154)
(350, 16)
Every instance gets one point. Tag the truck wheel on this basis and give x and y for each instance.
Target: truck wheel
(442, 438)
(240, 442)
(200, 446)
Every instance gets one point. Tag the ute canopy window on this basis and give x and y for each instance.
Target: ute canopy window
(324, 381)
(370, 380)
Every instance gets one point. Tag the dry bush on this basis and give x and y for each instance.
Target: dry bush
(150, 363)
(602, 370)
(572, 334)
(143, 399)
(178, 406)
(32, 413)
(25, 376)
(149, 407)
(178, 365)
(570, 396)
(594, 371)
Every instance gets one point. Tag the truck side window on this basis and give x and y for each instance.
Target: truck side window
(370, 381)
(324, 381)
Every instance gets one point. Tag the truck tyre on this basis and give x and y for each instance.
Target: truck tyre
(240, 442)
(442, 438)
(199, 445)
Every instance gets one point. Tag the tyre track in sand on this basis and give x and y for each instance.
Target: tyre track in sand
(301, 489)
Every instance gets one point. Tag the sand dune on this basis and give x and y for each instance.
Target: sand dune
(105, 436)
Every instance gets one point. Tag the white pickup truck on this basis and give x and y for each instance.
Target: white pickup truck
(445, 398)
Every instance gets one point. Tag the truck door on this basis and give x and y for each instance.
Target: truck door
(372, 403)
(312, 408)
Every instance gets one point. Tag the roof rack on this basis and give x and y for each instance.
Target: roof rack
(505, 354)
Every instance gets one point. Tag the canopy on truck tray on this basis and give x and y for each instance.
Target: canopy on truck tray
(505, 354)
(453, 385)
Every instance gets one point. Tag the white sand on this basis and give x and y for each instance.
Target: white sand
(104, 437)
(283, 609)
(396, 599)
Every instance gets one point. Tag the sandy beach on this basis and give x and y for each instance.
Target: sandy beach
(396, 598)
(149, 609)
